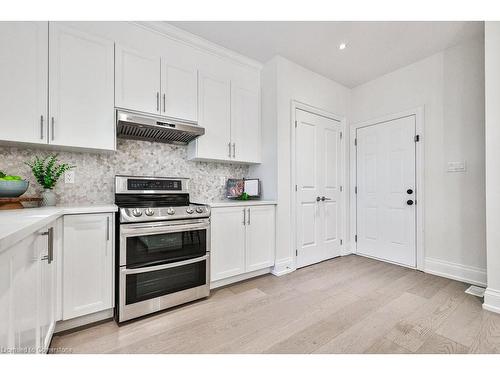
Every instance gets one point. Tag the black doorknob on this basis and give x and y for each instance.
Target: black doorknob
(409, 191)
(409, 202)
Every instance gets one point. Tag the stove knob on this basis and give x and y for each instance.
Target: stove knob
(149, 212)
(189, 210)
(199, 210)
(136, 212)
(170, 211)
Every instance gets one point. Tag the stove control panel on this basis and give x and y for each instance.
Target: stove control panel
(134, 215)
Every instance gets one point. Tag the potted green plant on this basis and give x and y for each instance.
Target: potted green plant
(47, 173)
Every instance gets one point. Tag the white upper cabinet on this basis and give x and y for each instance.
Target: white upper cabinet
(215, 116)
(81, 91)
(179, 91)
(230, 113)
(137, 80)
(88, 264)
(245, 124)
(23, 78)
(150, 84)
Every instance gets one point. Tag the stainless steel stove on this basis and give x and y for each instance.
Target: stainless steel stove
(163, 246)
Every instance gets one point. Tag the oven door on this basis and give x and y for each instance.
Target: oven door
(149, 289)
(151, 244)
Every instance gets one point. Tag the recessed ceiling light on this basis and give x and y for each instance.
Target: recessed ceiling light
(342, 46)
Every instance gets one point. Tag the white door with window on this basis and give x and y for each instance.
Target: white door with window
(385, 199)
(318, 172)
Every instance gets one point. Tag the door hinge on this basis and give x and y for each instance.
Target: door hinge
(341, 242)
(295, 187)
(296, 252)
(295, 123)
(340, 135)
(355, 190)
(341, 188)
(417, 138)
(355, 141)
(355, 238)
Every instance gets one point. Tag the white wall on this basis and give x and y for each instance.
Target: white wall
(450, 86)
(492, 88)
(291, 82)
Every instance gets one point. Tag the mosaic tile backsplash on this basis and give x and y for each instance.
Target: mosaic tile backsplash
(94, 172)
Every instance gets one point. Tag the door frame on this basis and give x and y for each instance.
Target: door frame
(419, 113)
(296, 105)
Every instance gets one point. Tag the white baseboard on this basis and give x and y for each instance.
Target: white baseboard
(492, 300)
(455, 271)
(235, 279)
(283, 266)
(65, 325)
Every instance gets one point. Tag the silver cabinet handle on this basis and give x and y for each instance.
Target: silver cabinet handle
(244, 216)
(157, 101)
(50, 242)
(41, 127)
(234, 150)
(107, 228)
(248, 217)
(164, 103)
(229, 147)
(53, 129)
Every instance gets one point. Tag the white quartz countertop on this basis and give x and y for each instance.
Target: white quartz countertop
(236, 203)
(18, 224)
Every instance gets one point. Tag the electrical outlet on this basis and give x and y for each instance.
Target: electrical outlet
(69, 177)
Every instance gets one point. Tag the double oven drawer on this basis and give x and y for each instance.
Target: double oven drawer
(162, 264)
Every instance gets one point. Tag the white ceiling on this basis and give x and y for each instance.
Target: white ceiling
(374, 48)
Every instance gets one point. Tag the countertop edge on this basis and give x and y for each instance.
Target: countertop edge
(24, 230)
(237, 203)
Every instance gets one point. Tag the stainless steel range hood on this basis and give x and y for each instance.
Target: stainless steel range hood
(132, 125)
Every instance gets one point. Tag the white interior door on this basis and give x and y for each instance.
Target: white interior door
(385, 158)
(318, 167)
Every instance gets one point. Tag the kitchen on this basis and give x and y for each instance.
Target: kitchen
(163, 192)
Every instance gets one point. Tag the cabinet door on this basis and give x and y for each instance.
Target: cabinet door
(137, 80)
(227, 254)
(25, 281)
(80, 89)
(47, 285)
(88, 264)
(245, 124)
(23, 79)
(260, 237)
(215, 116)
(179, 86)
(5, 299)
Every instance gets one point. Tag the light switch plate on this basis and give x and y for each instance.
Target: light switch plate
(456, 166)
(69, 177)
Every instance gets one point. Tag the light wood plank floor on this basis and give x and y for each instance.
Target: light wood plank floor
(346, 305)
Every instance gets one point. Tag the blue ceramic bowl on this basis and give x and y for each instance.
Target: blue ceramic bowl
(13, 188)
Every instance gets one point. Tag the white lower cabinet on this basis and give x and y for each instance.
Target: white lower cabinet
(28, 293)
(243, 240)
(88, 264)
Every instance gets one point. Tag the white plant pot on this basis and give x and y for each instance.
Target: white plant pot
(48, 198)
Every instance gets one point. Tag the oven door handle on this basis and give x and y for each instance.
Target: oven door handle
(133, 231)
(131, 271)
